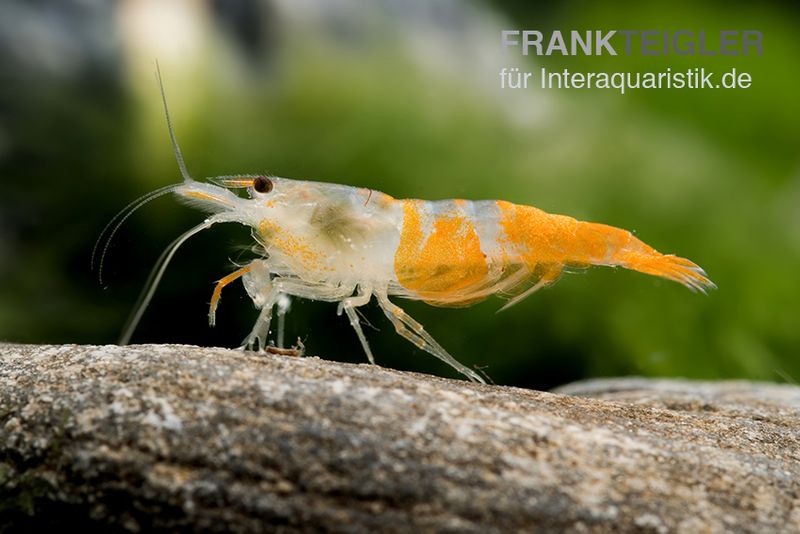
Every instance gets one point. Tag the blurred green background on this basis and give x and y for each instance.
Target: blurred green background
(403, 97)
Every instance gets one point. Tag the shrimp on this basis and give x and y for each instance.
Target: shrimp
(343, 244)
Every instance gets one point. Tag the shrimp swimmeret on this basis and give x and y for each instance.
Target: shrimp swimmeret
(336, 243)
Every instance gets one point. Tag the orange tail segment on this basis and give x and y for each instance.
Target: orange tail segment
(599, 244)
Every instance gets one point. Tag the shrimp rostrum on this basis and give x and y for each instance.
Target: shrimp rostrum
(336, 243)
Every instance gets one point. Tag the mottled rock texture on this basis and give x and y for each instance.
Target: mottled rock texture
(187, 438)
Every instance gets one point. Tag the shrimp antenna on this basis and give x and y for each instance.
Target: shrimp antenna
(175, 147)
(116, 222)
(155, 278)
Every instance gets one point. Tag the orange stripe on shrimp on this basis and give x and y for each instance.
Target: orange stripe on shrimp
(445, 261)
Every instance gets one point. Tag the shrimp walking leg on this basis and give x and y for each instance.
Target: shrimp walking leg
(284, 303)
(277, 288)
(349, 305)
(212, 309)
(257, 339)
(416, 334)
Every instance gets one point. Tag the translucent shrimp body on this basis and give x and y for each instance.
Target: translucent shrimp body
(337, 243)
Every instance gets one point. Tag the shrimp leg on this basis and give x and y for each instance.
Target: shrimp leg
(257, 338)
(284, 303)
(549, 276)
(287, 286)
(212, 309)
(416, 334)
(348, 305)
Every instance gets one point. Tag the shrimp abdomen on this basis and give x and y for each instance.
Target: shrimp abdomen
(542, 239)
(456, 253)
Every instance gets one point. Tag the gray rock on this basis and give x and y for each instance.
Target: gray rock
(188, 438)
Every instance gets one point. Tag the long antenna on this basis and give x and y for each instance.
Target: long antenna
(172, 138)
(114, 224)
(153, 280)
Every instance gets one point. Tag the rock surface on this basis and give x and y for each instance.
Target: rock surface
(187, 438)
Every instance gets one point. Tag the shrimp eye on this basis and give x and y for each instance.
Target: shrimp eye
(262, 184)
